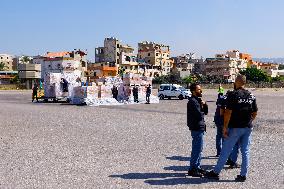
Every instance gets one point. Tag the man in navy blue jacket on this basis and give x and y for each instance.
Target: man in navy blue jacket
(196, 109)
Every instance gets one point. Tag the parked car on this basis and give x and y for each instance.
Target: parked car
(173, 91)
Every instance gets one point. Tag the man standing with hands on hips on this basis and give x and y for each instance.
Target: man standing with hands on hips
(196, 109)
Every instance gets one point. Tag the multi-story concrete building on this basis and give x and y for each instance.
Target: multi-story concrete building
(76, 55)
(227, 66)
(7, 60)
(157, 55)
(198, 66)
(34, 68)
(101, 70)
(29, 70)
(221, 67)
(183, 64)
(269, 68)
(116, 54)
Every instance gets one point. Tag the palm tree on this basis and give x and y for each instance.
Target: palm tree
(25, 59)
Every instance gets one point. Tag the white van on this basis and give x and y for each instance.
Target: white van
(172, 91)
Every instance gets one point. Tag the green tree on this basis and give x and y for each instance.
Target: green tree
(161, 79)
(16, 79)
(188, 80)
(255, 75)
(281, 67)
(278, 78)
(169, 78)
(2, 66)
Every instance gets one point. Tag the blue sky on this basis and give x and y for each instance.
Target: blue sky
(206, 27)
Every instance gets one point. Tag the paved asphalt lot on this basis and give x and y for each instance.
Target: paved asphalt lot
(129, 146)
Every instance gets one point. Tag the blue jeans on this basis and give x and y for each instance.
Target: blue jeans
(219, 143)
(197, 146)
(235, 152)
(241, 135)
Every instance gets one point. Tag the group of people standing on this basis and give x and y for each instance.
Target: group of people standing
(233, 118)
(135, 92)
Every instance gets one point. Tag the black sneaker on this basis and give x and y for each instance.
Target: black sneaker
(194, 173)
(240, 178)
(212, 175)
(229, 162)
(234, 165)
(202, 171)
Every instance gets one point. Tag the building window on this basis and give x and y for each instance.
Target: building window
(148, 54)
(127, 58)
(157, 54)
(95, 74)
(117, 45)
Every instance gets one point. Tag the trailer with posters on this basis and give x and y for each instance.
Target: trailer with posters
(59, 86)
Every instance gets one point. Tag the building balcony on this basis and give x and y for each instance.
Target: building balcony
(29, 74)
(29, 67)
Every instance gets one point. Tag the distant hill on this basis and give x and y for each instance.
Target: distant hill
(272, 60)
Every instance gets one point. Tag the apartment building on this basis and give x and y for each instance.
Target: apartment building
(183, 65)
(116, 54)
(157, 55)
(270, 69)
(227, 66)
(7, 60)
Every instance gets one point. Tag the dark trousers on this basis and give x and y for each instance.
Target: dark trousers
(148, 98)
(135, 98)
(115, 96)
(34, 95)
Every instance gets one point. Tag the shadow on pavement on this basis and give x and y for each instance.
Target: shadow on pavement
(170, 178)
(141, 110)
(181, 158)
(166, 178)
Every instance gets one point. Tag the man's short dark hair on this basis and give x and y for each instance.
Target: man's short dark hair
(193, 87)
(241, 78)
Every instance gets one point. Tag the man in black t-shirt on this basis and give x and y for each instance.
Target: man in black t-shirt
(241, 110)
(219, 122)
